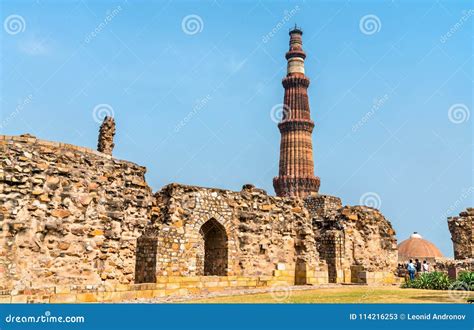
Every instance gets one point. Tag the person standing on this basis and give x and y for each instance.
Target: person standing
(411, 270)
(418, 267)
(426, 267)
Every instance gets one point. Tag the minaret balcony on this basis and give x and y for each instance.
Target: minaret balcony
(296, 125)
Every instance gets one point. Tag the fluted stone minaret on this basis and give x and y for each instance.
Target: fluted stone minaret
(106, 136)
(296, 173)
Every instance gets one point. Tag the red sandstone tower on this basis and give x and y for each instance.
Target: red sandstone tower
(296, 174)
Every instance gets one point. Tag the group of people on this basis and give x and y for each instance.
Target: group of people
(414, 268)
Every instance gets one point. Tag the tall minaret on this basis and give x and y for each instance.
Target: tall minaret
(296, 174)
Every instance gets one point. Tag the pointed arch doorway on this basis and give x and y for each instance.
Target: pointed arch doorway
(215, 258)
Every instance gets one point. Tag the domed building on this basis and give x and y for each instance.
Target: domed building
(416, 247)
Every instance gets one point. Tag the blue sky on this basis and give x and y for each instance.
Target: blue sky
(392, 100)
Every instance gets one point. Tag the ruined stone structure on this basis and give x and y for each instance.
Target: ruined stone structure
(106, 136)
(68, 215)
(75, 216)
(79, 225)
(357, 242)
(296, 170)
(462, 234)
(202, 231)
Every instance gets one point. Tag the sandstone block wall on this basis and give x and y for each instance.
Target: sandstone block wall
(69, 215)
(355, 241)
(262, 235)
(462, 234)
(162, 288)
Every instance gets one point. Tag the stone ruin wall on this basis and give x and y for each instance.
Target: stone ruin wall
(357, 242)
(75, 216)
(462, 234)
(267, 235)
(69, 215)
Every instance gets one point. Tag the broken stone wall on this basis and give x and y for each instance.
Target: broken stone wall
(264, 235)
(462, 234)
(370, 243)
(69, 215)
(357, 242)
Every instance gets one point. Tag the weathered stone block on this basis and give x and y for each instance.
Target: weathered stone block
(65, 298)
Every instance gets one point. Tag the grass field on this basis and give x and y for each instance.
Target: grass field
(348, 294)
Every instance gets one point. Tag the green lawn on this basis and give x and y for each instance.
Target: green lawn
(347, 294)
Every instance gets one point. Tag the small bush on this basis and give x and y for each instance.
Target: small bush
(441, 281)
(467, 278)
(430, 281)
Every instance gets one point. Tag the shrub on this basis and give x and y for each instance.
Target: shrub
(441, 281)
(430, 281)
(467, 278)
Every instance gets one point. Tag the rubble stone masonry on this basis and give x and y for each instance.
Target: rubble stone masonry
(105, 143)
(462, 234)
(245, 233)
(78, 221)
(357, 242)
(68, 215)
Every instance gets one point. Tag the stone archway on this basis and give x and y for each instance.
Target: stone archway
(300, 272)
(215, 248)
